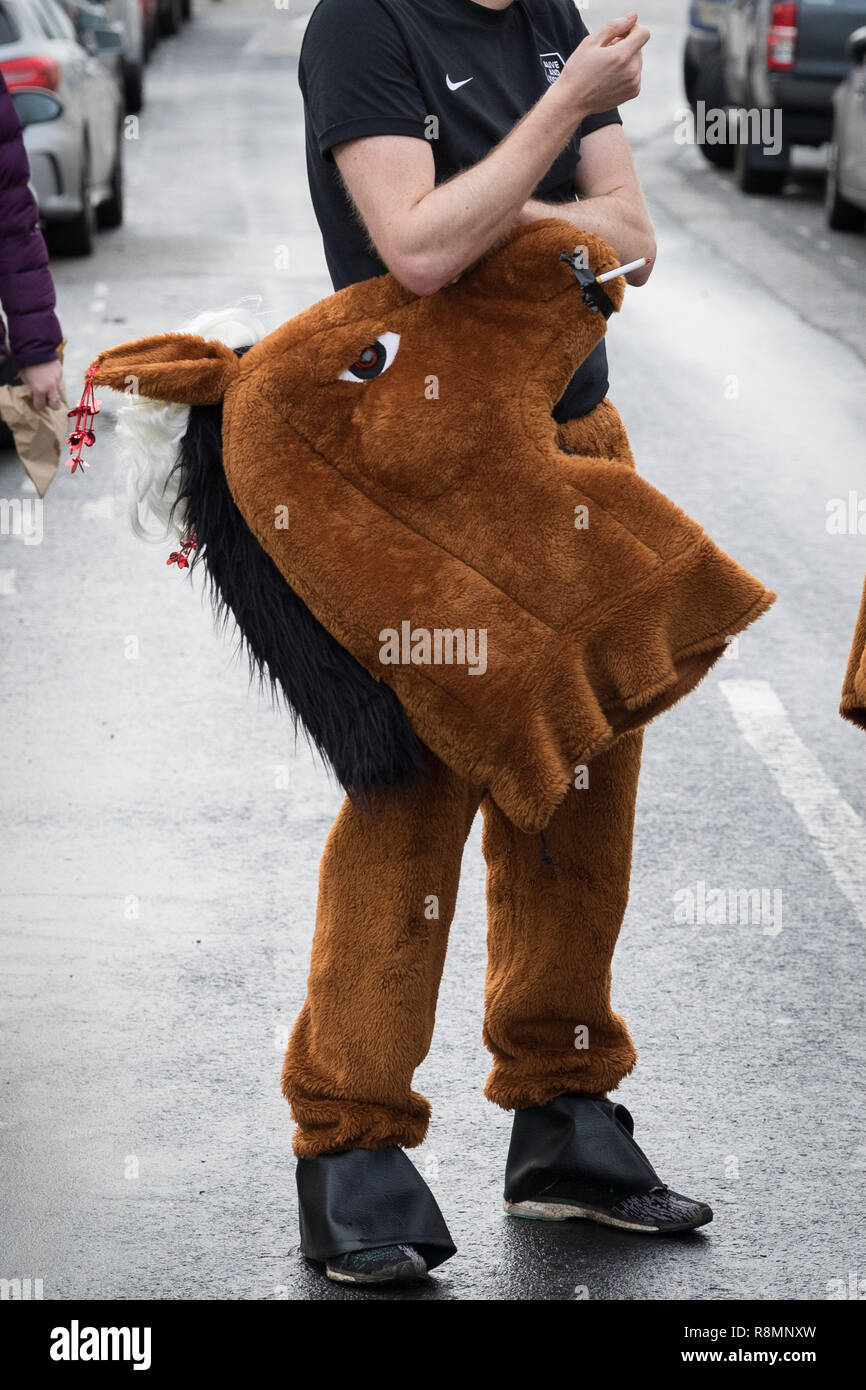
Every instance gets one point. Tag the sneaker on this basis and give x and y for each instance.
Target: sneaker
(576, 1157)
(385, 1264)
(657, 1212)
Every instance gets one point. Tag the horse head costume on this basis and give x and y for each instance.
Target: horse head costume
(413, 549)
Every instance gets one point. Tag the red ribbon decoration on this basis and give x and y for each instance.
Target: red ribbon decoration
(84, 414)
(82, 436)
(181, 557)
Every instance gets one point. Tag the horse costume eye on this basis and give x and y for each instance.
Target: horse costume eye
(374, 360)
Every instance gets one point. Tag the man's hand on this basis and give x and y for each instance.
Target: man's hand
(45, 381)
(610, 204)
(604, 70)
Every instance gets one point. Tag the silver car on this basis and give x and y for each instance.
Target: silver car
(846, 168)
(76, 155)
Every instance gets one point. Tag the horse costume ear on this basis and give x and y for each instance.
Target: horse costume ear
(179, 367)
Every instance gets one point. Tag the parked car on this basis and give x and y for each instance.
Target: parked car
(782, 62)
(129, 16)
(845, 199)
(76, 156)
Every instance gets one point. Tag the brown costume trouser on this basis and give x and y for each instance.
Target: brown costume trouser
(387, 890)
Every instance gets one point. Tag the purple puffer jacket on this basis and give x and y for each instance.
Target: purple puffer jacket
(26, 287)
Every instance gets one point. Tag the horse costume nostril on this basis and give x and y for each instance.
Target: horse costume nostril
(594, 297)
(438, 498)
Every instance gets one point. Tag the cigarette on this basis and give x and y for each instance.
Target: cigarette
(622, 270)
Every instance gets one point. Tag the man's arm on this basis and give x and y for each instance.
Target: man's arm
(610, 200)
(427, 234)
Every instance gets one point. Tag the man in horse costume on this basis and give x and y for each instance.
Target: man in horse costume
(475, 602)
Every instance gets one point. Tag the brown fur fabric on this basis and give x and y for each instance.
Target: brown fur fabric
(377, 956)
(437, 494)
(853, 704)
(377, 960)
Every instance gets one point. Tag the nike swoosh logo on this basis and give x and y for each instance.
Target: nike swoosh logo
(452, 86)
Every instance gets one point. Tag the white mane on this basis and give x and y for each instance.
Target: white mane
(149, 432)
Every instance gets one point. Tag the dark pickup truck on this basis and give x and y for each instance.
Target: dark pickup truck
(781, 63)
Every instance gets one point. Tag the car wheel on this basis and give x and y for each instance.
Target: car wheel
(110, 213)
(842, 216)
(709, 88)
(186, 9)
(74, 235)
(171, 18)
(133, 88)
(755, 172)
(690, 72)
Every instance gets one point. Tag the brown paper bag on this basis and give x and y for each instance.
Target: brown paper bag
(39, 438)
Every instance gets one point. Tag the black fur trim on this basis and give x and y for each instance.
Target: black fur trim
(357, 724)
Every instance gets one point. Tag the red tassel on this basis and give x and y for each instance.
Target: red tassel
(84, 414)
(181, 557)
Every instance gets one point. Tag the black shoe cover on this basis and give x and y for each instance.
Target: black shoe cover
(576, 1157)
(367, 1199)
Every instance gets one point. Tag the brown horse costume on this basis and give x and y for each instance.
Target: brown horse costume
(438, 494)
(377, 488)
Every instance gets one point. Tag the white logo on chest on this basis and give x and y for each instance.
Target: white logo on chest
(452, 86)
(553, 64)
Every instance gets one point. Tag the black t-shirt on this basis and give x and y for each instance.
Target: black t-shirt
(449, 71)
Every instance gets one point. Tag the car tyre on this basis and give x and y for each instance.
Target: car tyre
(754, 173)
(709, 87)
(74, 236)
(110, 213)
(171, 19)
(133, 88)
(841, 215)
(690, 74)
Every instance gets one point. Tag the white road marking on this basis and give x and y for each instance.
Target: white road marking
(838, 831)
(7, 583)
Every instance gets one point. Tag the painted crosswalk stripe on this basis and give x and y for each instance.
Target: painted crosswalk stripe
(839, 833)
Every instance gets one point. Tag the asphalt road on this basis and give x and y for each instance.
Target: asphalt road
(162, 833)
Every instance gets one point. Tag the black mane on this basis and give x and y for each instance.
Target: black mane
(356, 723)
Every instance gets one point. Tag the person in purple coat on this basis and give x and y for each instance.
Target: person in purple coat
(26, 288)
